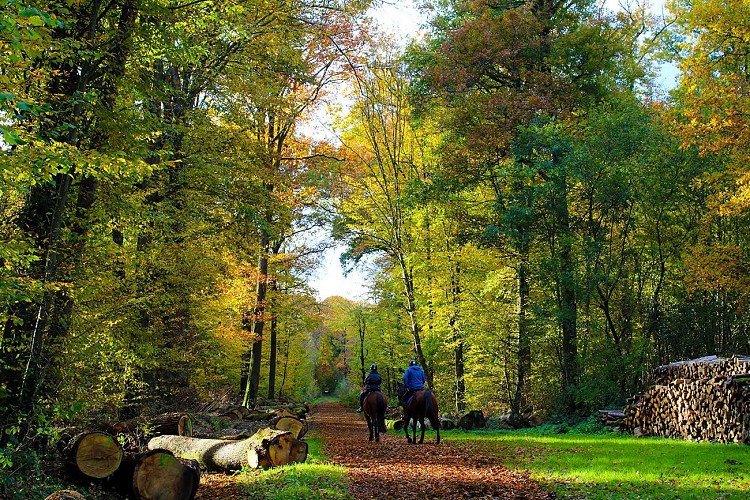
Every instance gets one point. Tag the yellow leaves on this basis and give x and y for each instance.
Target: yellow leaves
(719, 267)
(714, 89)
(738, 202)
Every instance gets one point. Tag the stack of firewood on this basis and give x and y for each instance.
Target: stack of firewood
(611, 418)
(705, 399)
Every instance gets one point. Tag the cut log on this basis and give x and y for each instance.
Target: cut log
(447, 424)
(474, 419)
(95, 455)
(233, 414)
(394, 425)
(270, 448)
(179, 424)
(158, 475)
(298, 453)
(292, 424)
(265, 448)
(260, 416)
(65, 495)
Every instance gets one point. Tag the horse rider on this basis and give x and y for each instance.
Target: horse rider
(414, 380)
(372, 383)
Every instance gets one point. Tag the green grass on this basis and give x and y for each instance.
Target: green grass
(609, 465)
(314, 479)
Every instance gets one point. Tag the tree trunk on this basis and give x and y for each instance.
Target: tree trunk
(362, 330)
(265, 448)
(254, 322)
(411, 307)
(524, 342)
(568, 312)
(272, 347)
(458, 350)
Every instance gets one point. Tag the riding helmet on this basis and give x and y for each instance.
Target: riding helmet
(412, 362)
(373, 367)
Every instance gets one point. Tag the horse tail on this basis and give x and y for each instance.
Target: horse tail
(381, 407)
(431, 412)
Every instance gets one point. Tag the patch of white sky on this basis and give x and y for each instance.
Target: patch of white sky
(402, 20)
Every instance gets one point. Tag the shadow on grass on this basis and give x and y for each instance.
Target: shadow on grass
(616, 466)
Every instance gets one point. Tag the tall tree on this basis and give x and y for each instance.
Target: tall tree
(505, 65)
(385, 160)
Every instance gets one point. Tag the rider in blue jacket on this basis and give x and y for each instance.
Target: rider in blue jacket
(414, 380)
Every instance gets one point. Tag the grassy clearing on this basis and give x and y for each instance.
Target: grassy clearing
(315, 479)
(611, 465)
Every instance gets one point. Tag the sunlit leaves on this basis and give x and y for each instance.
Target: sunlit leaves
(714, 63)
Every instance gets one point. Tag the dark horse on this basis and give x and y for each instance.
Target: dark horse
(374, 407)
(422, 403)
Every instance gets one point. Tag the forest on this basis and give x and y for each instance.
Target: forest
(542, 223)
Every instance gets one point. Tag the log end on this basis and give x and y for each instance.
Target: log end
(97, 455)
(159, 475)
(66, 495)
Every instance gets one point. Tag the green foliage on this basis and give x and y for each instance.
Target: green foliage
(24, 442)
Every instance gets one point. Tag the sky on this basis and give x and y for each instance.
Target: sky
(329, 279)
(401, 19)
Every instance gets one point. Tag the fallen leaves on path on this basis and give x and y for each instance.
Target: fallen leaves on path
(220, 486)
(395, 469)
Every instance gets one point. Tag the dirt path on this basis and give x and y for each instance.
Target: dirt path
(395, 469)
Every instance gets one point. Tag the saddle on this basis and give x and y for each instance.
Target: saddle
(410, 395)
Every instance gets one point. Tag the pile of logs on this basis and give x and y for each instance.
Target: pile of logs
(612, 418)
(163, 455)
(99, 457)
(705, 399)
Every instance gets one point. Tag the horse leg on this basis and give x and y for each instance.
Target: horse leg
(372, 424)
(414, 430)
(369, 426)
(421, 438)
(406, 430)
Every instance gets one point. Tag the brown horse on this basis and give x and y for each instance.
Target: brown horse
(423, 403)
(374, 407)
